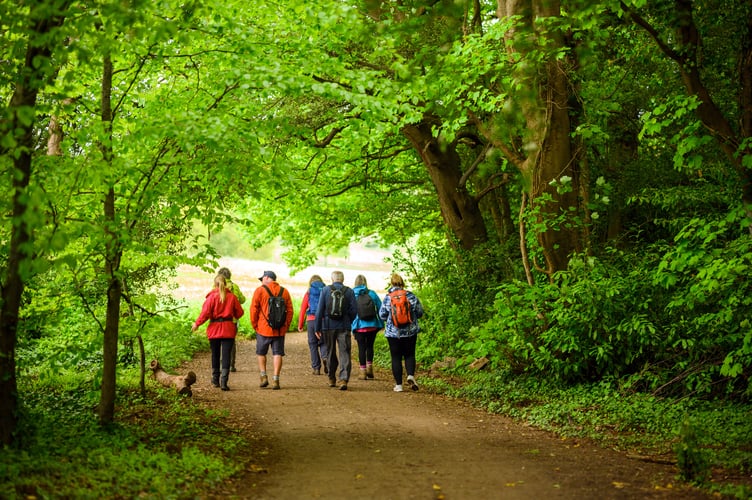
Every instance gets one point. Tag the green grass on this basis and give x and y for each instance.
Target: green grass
(160, 447)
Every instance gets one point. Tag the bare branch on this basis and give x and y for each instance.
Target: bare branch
(478, 160)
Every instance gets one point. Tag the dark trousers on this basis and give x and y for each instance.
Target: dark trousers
(402, 348)
(365, 341)
(316, 346)
(220, 353)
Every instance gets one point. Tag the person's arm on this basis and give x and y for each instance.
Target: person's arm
(417, 306)
(320, 311)
(238, 293)
(204, 315)
(303, 311)
(353, 307)
(384, 309)
(289, 309)
(254, 309)
(237, 309)
(377, 303)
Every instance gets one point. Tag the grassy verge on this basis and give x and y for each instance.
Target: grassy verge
(160, 447)
(710, 442)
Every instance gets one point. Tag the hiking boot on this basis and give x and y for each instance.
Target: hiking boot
(412, 383)
(232, 369)
(369, 371)
(332, 382)
(326, 370)
(215, 379)
(316, 371)
(342, 385)
(223, 380)
(275, 385)
(264, 381)
(362, 374)
(397, 388)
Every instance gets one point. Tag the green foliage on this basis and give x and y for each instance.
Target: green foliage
(161, 447)
(682, 330)
(450, 284)
(706, 277)
(691, 460)
(592, 322)
(158, 443)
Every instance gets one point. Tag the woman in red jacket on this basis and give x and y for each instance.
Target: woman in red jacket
(222, 309)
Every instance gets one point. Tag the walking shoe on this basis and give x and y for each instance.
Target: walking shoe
(275, 385)
(332, 382)
(264, 381)
(316, 371)
(342, 385)
(326, 370)
(362, 374)
(369, 371)
(397, 388)
(232, 369)
(413, 384)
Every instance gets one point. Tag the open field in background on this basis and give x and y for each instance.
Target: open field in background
(193, 283)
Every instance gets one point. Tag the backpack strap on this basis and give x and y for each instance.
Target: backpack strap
(281, 289)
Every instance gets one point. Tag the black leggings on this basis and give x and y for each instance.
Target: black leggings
(402, 348)
(365, 346)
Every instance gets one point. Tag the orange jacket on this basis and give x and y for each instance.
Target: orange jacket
(260, 310)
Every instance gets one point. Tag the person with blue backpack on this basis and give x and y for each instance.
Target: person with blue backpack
(366, 325)
(308, 308)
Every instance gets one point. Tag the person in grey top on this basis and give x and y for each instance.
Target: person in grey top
(334, 317)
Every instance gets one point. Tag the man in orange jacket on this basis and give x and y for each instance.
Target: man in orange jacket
(266, 335)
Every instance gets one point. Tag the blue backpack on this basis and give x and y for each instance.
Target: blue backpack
(314, 294)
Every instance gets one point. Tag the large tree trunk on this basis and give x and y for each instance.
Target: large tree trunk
(33, 76)
(458, 208)
(546, 111)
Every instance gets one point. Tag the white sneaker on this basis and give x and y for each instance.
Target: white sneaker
(398, 388)
(411, 382)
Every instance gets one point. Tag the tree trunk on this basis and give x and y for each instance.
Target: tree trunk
(458, 208)
(113, 254)
(33, 76)
(546, 111)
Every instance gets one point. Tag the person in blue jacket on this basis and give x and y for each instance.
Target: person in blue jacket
(366, 325)
(401, 339)
(333, 322)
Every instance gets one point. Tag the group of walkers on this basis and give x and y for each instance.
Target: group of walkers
(332, 313)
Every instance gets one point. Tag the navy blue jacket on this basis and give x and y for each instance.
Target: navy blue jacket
(324, 322)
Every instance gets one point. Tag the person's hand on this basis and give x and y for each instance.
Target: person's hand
(300, 329)
(318, 335)
(194, 327)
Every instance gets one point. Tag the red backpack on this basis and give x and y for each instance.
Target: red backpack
(402, 314)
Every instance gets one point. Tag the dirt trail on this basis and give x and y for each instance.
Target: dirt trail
(311, 441)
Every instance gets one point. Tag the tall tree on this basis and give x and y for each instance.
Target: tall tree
(548, 156)
(675, 30)
(17, 134)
